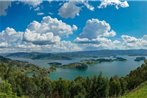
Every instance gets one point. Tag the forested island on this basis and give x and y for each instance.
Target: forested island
(139, 58)
(17, 84)
(83, 64)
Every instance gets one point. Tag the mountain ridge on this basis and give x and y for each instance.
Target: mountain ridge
(71, 55)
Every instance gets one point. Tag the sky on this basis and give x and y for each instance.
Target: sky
(73, 25)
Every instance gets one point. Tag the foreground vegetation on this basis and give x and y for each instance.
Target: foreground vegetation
(17, 83)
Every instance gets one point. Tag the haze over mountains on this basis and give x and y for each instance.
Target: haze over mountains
(70, 55)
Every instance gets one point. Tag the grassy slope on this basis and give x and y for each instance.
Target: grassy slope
(139, 92)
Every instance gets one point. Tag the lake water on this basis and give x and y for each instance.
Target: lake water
(119, 68)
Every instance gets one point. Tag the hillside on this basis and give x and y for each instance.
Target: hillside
(139, 92)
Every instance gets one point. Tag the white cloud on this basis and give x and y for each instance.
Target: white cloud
(95, 35)
(90, 7)
(47, 35)
(12, 41)
(10, 37)
(129, 39)
(4, 6)
(33, 3)
(37, 9)
(95, 28)
(58, 27)
(72, 8)
(98, 43)
(116, 3)
(63, 46)
(145, 37)
(131, 42)
(49, 30)
(40, 13)
(66, 46)
(3, 44)
(38, 38)
(69, 10)
(126, 42)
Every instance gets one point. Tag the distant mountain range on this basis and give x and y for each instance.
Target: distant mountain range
(71, 55)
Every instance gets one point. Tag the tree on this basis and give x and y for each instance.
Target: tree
(124, 84)
(99, 87)
(5, 87)
(61, 87)
(115, 87)
(46, 87)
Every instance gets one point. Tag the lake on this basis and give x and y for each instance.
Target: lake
(119, 68)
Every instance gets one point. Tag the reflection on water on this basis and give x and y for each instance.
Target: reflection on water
(120, 68)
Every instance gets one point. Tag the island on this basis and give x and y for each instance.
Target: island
(83, 64)
(77, 65)
(101, 60)
(139, 58)
(120, 59)
(55, 64)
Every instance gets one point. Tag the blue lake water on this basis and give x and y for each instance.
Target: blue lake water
(119, 68)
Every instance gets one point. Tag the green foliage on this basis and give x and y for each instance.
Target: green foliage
(6, 90)
(99, 87)
(115, 86)
(5, 87)
(17, 83)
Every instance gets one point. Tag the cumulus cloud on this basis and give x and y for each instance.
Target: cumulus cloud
(129, 39)
(12, 41)
(10, 37)
(38, 38)
(3, 44)
(49, 30)
(33, 3)
(63, 46)
(47, 35)
(116, 3)
(66, 46)
(131, 42)
(4, 6)
(126, 42)
(72, 8)
(95, 35)
(69, 10)
(98, 43)
(95, 28)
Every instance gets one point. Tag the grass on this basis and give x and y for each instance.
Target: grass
(139, 92)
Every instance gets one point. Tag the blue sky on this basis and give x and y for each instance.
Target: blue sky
(127, 21)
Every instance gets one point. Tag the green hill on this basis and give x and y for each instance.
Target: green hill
(139, 92)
